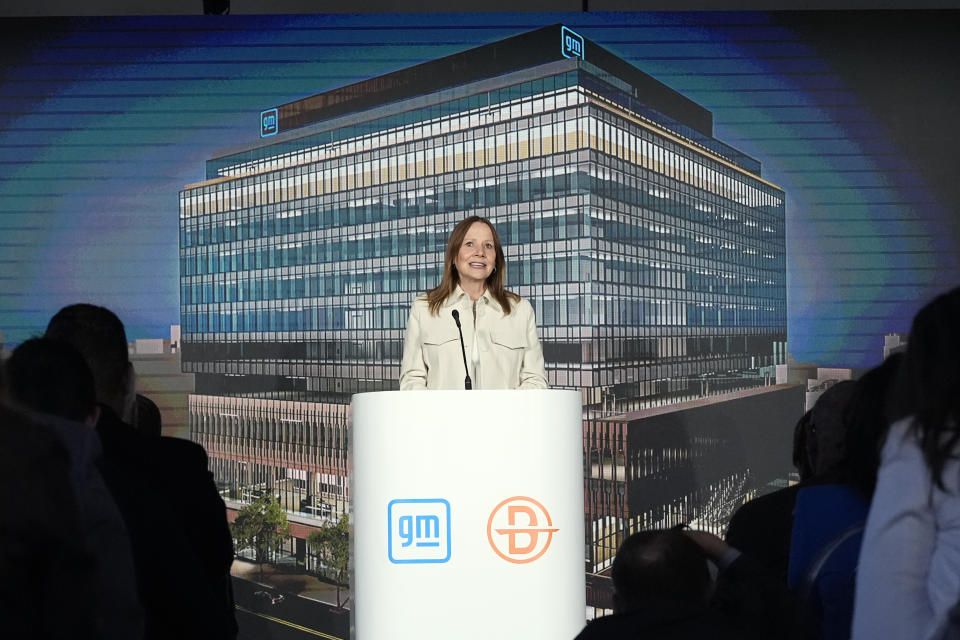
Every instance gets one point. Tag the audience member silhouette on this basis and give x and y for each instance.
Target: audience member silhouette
(831, 508)
(147, 417)
(762, 528)
(662, 589)
(878, 401)
(826, 437)
(176, 519)
(749, 596)
(46, 573)
(909, 573)
(807, 534)
(51, 379)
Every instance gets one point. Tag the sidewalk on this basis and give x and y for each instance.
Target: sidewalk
(300, 584)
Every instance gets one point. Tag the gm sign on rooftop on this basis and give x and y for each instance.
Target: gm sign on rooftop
(571, 44)
(268, 123)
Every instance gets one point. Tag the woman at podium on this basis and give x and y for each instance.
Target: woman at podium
(499, 348)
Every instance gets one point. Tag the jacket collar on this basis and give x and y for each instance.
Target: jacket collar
(459, 295)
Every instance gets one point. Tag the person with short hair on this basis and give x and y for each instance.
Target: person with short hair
(500, 342)
(662, 589)
(50, 379)
(177, 522)
(98, 334)
(50, 376)
(763, 527)
(653, 565)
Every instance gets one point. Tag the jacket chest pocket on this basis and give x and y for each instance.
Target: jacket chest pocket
(508, 346)
(439, 347)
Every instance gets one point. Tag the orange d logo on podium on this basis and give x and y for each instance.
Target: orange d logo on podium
(520, 530)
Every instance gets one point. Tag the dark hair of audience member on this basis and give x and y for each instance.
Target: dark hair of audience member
(97, 333)
(653, 566)
(826, 432)
(931, 367)
(801, 459)
(147, 418)
(867, 418)
(50, 376)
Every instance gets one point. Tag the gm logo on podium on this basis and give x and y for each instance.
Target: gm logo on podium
(571, 44)
(419, 531)
(268, 123)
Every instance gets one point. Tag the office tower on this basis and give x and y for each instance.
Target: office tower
(653, 253)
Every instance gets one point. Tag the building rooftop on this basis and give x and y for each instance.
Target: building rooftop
(525, 50)
(471, 79)
(698, 402)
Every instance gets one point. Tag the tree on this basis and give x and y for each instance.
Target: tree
(261, 525)
(331, 544)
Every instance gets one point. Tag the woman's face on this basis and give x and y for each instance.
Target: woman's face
(477, 256)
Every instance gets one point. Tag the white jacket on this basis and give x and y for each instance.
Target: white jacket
(503, 351)
(909, 574)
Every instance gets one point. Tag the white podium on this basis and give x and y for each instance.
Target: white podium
(467, 515)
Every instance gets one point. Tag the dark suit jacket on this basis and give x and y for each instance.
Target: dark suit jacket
(178, 531)
(47, 578)
(660, 620)
(762, 528)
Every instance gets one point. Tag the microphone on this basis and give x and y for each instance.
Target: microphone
(466, 381)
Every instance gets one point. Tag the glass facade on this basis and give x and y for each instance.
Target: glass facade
(653, 255)
(294, 450)
(689, 463)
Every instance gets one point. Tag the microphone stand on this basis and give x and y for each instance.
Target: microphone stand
(467, 384)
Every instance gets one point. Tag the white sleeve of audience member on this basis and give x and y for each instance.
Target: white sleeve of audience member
(891, 597)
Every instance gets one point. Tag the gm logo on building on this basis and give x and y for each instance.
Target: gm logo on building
(419, 531)
(268, 123)
(572, 44)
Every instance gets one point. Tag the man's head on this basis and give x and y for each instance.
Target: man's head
(826, 430)
(657, 566)
(98, 334)
(50, 376)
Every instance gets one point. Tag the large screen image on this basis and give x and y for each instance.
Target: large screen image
(715, 217)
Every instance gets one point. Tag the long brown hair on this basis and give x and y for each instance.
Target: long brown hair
(451, 278)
